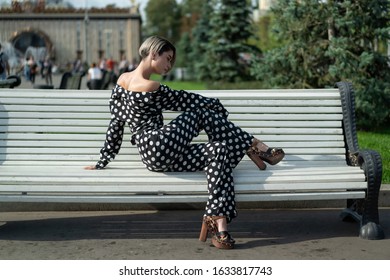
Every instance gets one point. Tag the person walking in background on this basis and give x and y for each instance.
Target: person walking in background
(94, 76)
(33, 69)
(26, 69)
(4, 65)
(47, 71)
(123, 65)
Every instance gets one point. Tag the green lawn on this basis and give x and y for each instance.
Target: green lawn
(378, 140)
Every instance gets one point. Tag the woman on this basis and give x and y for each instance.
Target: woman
(139, 102)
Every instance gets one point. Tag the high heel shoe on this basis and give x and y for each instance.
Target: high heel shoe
(256, 159)
(271, 156)
(220, 239)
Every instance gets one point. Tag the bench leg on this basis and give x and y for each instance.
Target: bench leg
(366, 211)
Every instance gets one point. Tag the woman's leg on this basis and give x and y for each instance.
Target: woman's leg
(218, 128)
(170, 149)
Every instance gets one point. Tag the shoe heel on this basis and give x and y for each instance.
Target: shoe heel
(203, 232)
(257, 160)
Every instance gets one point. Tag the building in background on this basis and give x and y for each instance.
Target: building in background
(54, 28)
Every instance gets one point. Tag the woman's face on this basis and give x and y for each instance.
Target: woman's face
(162, 64)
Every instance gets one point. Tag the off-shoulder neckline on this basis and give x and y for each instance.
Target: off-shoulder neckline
(137, 91)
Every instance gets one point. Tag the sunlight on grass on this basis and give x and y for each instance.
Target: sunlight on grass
(378, 140)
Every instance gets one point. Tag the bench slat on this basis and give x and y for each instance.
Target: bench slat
(172, 189)
(330, 93)
(179, 199)
(126, 164)
(172, 178)
(104, 124)
(126, 145)
(202, 137)
(227, 103)
(169, 116)
(57, 108)
(123, 157)
(100, 130)
(94, 151)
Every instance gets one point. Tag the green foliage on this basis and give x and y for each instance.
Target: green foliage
(163, 19)
(183, 50)
(329, 41)
(221, 37)
(359, 28)
(200, 37)
(266, 39)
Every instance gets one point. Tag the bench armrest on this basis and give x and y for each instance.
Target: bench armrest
(349, 121)
(368, 160)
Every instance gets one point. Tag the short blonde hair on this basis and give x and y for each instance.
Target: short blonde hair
(157, 44)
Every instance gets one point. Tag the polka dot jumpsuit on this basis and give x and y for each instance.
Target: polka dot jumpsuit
(168, 147)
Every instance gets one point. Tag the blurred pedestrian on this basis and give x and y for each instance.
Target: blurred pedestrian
(94, 76)
(4, 65)
(33, 68)
(47, 70)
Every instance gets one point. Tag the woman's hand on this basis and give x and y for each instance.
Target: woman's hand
(91, 167)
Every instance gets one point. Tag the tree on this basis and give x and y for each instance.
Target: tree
(224, 32)
(361, 30)
(266, 39)
(190, 10)
(163, 19)
(198, 65)
(301, 61)
(329, 41)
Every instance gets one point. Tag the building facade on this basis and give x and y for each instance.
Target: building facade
(66, 36)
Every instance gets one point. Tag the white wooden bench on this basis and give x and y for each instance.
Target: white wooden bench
(47, 137)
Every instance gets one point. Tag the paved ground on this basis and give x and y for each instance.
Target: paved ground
(118, 235)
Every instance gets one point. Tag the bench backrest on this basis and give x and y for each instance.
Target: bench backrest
(68, 127)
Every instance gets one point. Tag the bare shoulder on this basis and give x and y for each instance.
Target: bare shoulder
(134, 83)
(148, 86)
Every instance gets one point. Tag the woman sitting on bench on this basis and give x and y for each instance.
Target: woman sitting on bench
(140, 102)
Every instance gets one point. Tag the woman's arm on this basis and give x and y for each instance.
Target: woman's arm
(181, 100)
(112, 144)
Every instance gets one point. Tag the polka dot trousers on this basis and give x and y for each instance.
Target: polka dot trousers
(169, 148)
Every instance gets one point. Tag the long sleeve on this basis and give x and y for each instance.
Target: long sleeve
(181, 100)
(112, 144)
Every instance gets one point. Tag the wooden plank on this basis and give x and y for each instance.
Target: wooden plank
(182, 189)
(253, 130)
(178, 198)
(192, 178)
(100, 137)
(227, 103)
(169, 116)
(237, 94)
(123, 170)
(104, 123)
(59, 143)
(88, 151)
(76, 108)
(125, 163)
(135, 157)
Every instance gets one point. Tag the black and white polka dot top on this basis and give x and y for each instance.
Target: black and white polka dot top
(142, 111)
